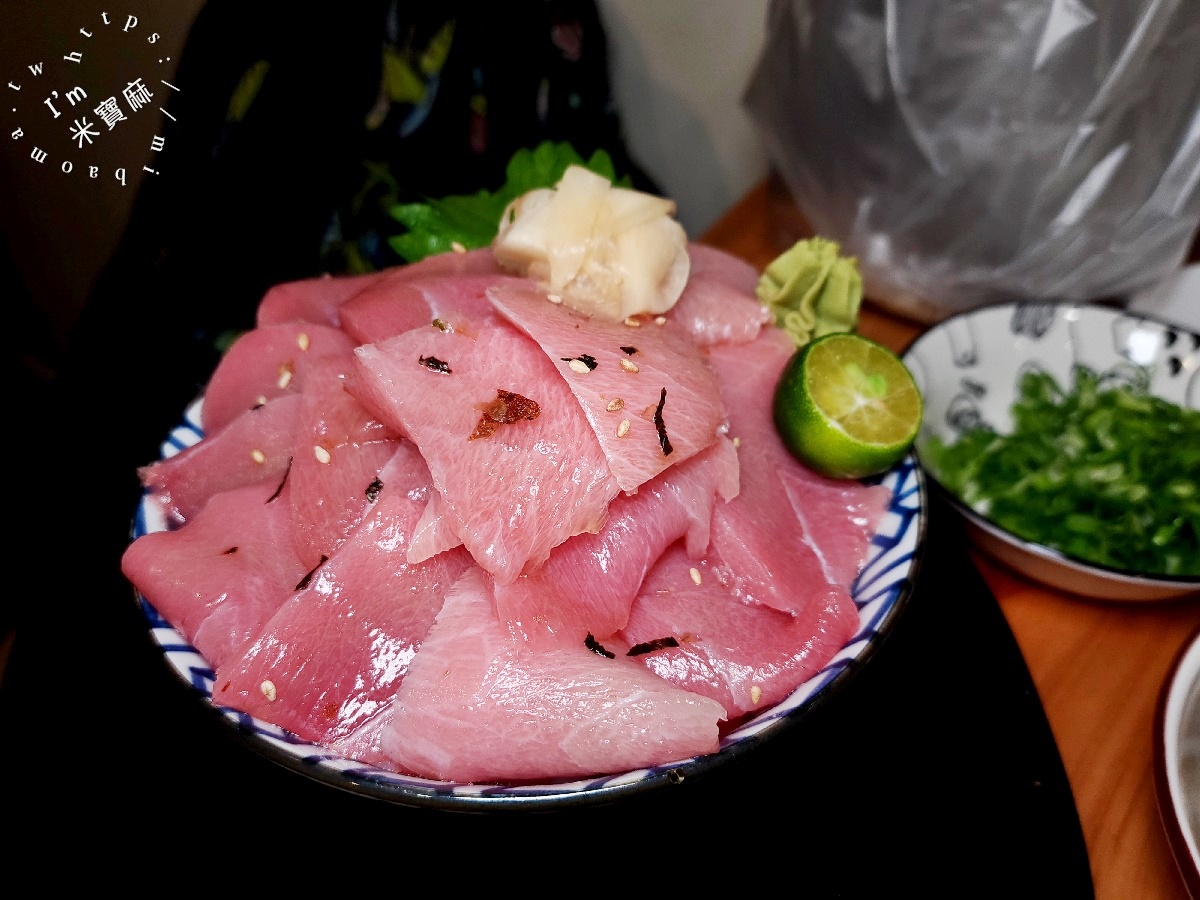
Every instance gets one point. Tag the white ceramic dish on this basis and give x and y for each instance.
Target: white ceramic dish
(968, 368)
(882, 589)
(1177, 761)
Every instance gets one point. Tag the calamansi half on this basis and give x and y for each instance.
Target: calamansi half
(847, 406)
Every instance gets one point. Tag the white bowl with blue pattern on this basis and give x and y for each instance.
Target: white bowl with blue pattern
(969, 367)
(880, 593)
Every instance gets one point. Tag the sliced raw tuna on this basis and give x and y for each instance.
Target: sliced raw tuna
(331, 657)
(588, 583)
(311, 299)
(391, 307)
(718, 305)
(221, 576)
(758, 547)
(434, 533)
(338, 452)
(254, 447)
(699, 637)
(513, 488)
(471, 710)
(651, 377)
(267, 362)
(838, 517)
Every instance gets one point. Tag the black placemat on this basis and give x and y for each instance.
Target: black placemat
(932, 770)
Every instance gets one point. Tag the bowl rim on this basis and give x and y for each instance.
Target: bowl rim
(1050, 554)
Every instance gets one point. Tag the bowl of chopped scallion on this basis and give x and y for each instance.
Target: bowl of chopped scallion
(1067, 435)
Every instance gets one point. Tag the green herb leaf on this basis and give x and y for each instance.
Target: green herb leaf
(472, 220)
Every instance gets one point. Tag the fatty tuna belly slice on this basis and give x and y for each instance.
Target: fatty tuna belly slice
(221, 576)
(838, 516)
(589, 582)
(268, 362)
(394, 306)
(759, 550)
(471, 709)
(338, 452)
(648, 392)
(515, 462)
(718, 305)
(328, 662)
(310, 299)
(254, 447)
(701, 638)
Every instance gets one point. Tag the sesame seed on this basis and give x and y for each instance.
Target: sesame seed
(285, 374)
(554, 298)
(302, 341)
(321, 453)
(695, 573)
(262, 400)
(660, 320)
(632, 322)
(737, 442)
(258, 456)
(268, 690)
(623, 428)
(578, 365)
(457, 247)
(629, 365)
(755, 694)
(614, 405)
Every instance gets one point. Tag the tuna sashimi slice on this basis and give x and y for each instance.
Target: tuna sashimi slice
(758, 546)
(338, 452)
(310, 299)
(719, 305)
(513, 491)
(702, 639)
(434, 533)
(471, 710)
(648, 392)
(589, 582)
(254, 447)
(331, 657)
(264, 363)
(221, 576)
(393, 306)
(838, 518)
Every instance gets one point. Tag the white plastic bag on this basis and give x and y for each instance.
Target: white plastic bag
(974, 152)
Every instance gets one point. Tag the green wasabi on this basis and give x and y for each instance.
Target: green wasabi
(812, 290)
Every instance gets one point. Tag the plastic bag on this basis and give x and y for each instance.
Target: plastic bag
(970, 153)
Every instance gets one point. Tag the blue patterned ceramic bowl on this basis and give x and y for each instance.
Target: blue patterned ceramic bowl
(968, 368)
(882, 589)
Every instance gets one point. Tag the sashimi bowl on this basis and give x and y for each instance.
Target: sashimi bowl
(879, 594)
(1062, 433)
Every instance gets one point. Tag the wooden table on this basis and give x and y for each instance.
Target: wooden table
(1098, 666)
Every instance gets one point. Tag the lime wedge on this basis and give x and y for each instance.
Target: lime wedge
(847, 406)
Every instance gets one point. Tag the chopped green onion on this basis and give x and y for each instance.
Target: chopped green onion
(1105, 472)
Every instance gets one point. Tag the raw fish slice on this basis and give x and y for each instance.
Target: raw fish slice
(588, 583)
(714, 264)
(267, 362)
(652, 377)
(320, 299)
(392, 307)
(221, 576)
(334, 653)
(338, 452)
(434, 533)
(838, 518)
(511, 495)
(719, 305)
(471, 710)
(311, 299)
(745, 657)
(254, 447)
(758, 549)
